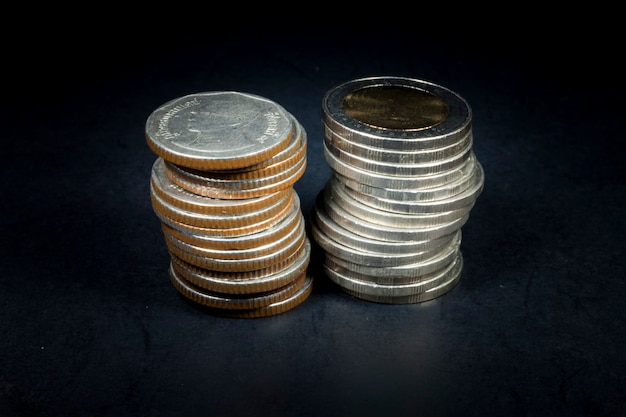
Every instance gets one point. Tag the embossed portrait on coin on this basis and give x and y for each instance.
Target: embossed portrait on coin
(215, 123)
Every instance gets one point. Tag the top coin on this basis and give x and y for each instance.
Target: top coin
(218, 130)
(396, 113)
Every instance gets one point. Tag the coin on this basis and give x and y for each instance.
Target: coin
(392, 156)
(218, 130)
(221, 187)
(405, 202)
(252, 189)
(349, 203)
(300, 296)
(402, 273)
(260, 237)
(402, 293)
(427, 168)
(233, 301)
(204, 258)
(183, 199)
(404, 179)
(245, 282)
(396, 113)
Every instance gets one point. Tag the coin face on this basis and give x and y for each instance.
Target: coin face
(395, 107)
(218, 130)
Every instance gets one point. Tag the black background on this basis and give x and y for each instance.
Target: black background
(91, 325)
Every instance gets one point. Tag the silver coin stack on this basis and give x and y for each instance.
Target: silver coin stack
(404, 178)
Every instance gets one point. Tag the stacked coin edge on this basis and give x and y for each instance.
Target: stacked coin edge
(389, 218)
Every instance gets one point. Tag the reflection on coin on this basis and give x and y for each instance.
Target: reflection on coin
(397, 123)
(260, 280)
(218, 130)
(221, 187)
(403, 181)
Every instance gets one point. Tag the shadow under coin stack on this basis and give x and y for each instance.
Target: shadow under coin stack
(222, 187)
(404, 179)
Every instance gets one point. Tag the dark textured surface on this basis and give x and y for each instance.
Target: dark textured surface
(91, 325)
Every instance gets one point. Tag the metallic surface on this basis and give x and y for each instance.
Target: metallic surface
(403, 181)
(395, 107)
(221, 187)
(217, 130)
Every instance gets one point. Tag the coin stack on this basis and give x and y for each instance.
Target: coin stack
(222, 187)
(403, 180)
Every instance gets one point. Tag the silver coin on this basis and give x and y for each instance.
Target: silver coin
(400, 202)
(337, 192)
(347, 237)
(393, 180)
(441, 192)
(403, 273)
(298, 140)
(392, 156)
(406, 170)
(216, 130)
(399, 294)
(371, 285)
(389, 233)
(439, 186)
(372, 259)
(396, 113)
(179, 197)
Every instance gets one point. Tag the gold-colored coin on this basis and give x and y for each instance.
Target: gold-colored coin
(246, 282)
(243, 255)
(248, 241)
(262, 224)
(219, 221)
(231, 301)
(303, 293)
(395, 107)
(183, 199)
(193, 256)
(241, 189)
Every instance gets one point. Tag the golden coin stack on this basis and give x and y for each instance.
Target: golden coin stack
(404, 180)
(222, 187)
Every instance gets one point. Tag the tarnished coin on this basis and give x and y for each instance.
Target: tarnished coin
(218, 130)
(243, 255)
